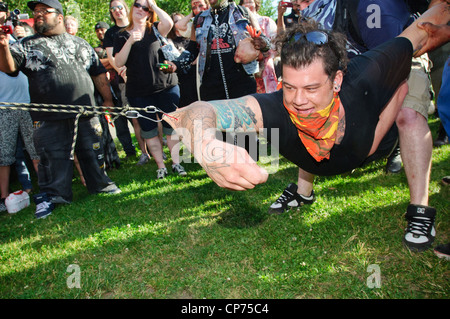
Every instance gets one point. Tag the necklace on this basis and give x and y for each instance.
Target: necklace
(216, 34)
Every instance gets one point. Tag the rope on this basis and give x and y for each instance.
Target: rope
(81, 110)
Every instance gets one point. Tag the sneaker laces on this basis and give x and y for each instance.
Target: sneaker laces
(41, 207)
(421, 226)
(178, 168)
(284, 197)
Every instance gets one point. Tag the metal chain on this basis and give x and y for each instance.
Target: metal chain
(222, 71)
(80, 110)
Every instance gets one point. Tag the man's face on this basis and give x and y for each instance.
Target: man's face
(299, 5)
(198, 6)
(308, 89)
(100, 33)
(44, 22)
(72, 27)
(215, 4)
(118, 10)
(249, 4)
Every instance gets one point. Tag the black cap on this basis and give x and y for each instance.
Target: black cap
(51, 3)
(3, 6)
(101, 25)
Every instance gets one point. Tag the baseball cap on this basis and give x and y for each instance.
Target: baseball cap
(51, 3)
(101, 25)
(3, 6)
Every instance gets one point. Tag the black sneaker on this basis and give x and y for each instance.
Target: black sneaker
(289, 199)
(420, 233)
(394, 162)
(44, 206)
(442, 137)
(443, 251)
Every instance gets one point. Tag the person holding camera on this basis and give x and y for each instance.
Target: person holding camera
(61, 69)
(14, 124)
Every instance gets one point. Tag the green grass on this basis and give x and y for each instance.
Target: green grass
(187, 238)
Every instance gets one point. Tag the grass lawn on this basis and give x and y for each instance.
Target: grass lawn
(184, 238)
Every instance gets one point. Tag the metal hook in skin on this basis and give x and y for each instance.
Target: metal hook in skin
(136, 114)
(148, 109)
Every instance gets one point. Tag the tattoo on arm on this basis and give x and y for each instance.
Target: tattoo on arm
(234, 115)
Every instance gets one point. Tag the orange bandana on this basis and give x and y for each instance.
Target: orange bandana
(318, 130)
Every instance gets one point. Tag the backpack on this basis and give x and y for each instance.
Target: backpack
(346, 21)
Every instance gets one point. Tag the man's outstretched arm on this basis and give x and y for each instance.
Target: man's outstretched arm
(229, 166)
(427, 39)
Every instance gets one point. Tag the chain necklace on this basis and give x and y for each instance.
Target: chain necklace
(222, 71)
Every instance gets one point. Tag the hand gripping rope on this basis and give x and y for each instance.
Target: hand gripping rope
(83, 110)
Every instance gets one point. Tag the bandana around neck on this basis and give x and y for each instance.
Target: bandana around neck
(318, 130)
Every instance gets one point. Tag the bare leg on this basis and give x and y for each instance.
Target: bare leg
(137, 133)
(155, 148)
(4, 181)
(389, 115)
(416, 145)
(173, 143)
(305, 183)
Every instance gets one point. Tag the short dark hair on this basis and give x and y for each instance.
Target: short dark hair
(302, 53)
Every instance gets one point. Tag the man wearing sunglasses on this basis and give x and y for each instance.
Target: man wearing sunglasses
(61, 69)
(331, 117)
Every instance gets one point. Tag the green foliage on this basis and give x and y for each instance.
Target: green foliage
(89, 12)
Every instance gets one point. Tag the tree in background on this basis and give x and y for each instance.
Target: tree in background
(89, 12)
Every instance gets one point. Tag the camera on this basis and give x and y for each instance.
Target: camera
(7, 29)
(286, 4)
(15, 17)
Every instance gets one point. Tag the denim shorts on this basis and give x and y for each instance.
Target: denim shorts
(166, 100)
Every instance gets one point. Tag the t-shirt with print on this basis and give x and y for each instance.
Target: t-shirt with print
(59, 70)
(226, 47)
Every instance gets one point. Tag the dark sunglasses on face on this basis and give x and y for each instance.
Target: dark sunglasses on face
(137, 5)
(316, 37)
(112, 9)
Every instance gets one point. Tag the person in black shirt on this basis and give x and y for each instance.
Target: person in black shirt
(138, 48)
(61, 69)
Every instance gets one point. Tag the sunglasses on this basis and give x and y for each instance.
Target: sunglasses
(137, 5)
(316, 37)
(112, 9)
(44, 12)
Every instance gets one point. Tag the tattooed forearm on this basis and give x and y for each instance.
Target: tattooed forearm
(234, 115)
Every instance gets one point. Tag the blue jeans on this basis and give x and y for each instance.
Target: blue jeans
(23, 174)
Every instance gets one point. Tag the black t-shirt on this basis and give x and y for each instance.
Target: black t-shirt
(59, 70)
(370, 82)
(143, 75)
(234, 72)
(108, 42)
